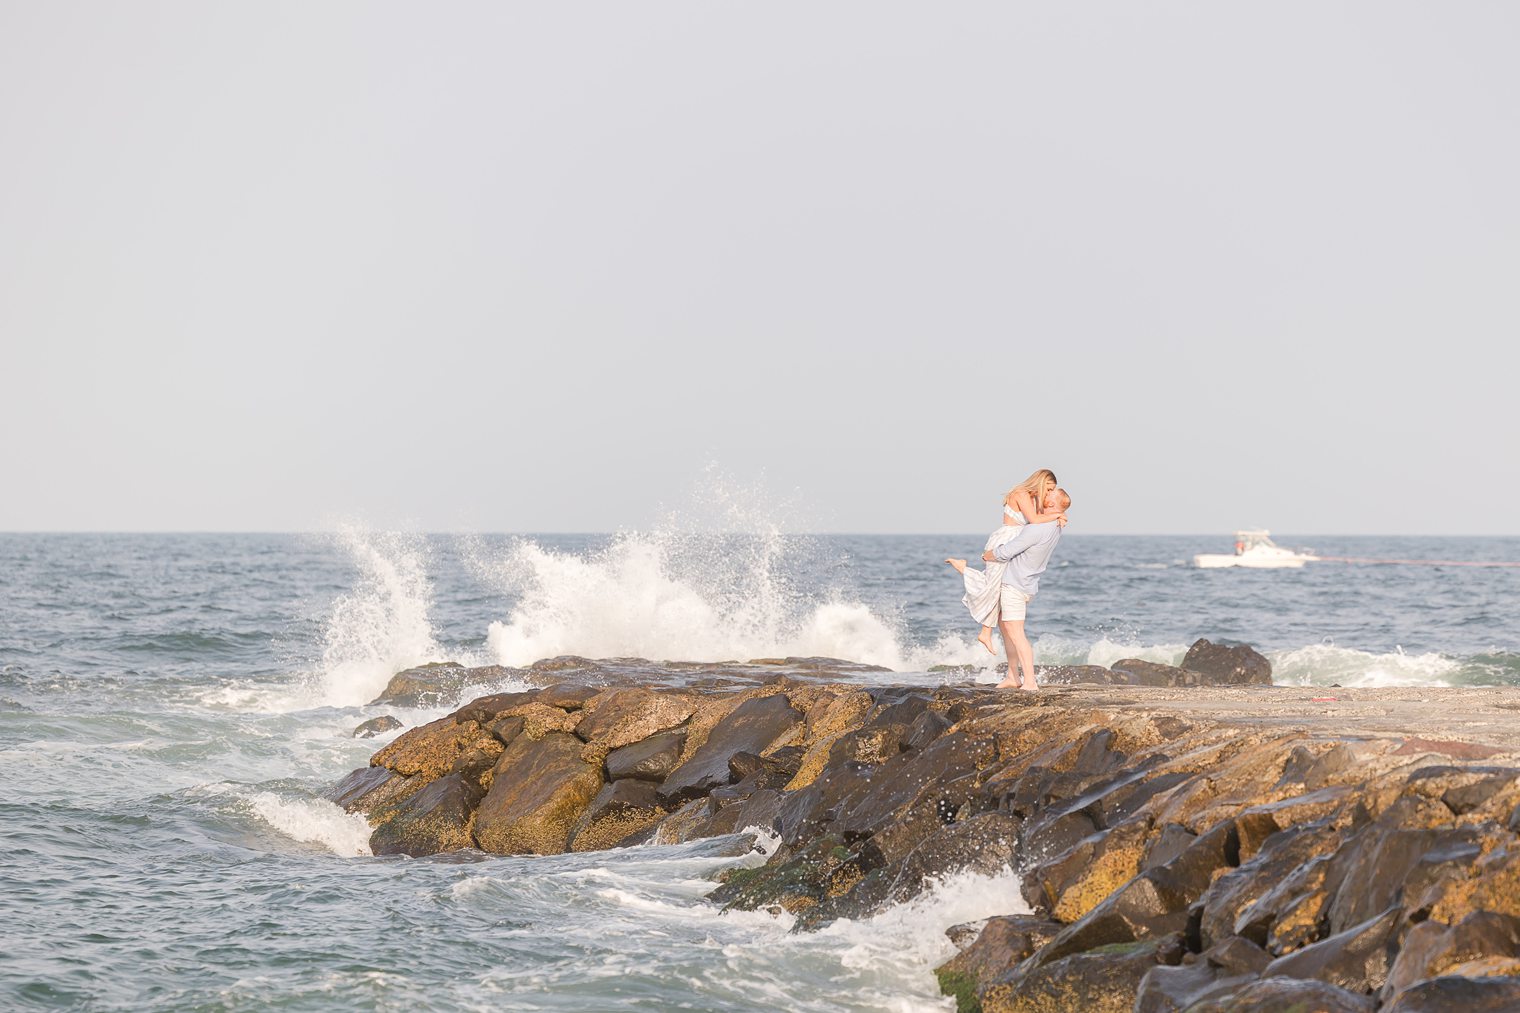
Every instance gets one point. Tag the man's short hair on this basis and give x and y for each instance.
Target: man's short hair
(1062, 498)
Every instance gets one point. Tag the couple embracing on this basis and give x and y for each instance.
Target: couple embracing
(1034, 512)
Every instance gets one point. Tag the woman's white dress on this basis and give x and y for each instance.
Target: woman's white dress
(984, 586)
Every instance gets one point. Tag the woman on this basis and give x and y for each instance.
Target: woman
(1021, 506)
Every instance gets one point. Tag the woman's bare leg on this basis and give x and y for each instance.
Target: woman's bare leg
(1020, 653)
(985, 639)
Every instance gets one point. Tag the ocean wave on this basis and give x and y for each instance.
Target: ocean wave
(676, 596)
(314, 821)
(1329, 664)
(383, 624)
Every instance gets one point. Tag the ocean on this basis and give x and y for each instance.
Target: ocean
(173, 706)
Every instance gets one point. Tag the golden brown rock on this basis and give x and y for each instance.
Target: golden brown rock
(539, 789)
(432, 750)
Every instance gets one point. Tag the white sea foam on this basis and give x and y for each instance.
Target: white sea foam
(314, 821)
(671, 595)
(381, 626)
(1052, 650)
(1324, 664)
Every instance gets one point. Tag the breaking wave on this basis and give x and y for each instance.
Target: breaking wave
(669, 596)
(383, 624)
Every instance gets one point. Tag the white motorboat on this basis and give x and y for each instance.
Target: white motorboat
(1255, 549)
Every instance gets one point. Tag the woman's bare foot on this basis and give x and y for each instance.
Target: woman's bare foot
(959, 564)
(1030, 687)
(985, 639)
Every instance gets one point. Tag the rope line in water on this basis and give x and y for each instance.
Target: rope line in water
(1407, 562)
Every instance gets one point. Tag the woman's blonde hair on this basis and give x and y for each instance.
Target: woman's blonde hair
(1037, 485)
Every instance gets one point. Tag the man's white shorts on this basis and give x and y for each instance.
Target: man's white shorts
(1011, 604)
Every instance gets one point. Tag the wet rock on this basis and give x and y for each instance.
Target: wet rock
(1000, 944)
(1153, 903)
(484, 710)
(985, 844)
(1068, 675)
(753, 727)
(568, 696)
(1092, 870)
(538, 791)
(1431, 949)
(431, 750)
(376, 726)
(353, 790)
(794, 885)
(1170, 989)
(1286, 995)
(1357, 959)
(1239, 665)
(744, 765)
(1103, 980)
(620, 810)
(650, 760)
(1239, 889)
(1137, 672)
(620, 717)
(438, 682)
(1467, 995)
(435, 819)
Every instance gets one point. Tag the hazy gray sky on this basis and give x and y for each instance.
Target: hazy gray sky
(531, 267)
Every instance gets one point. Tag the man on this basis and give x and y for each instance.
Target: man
(1027, 554)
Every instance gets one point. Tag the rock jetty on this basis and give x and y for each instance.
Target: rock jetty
(1187, 838)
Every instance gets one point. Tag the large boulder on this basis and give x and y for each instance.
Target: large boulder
(1286, 995)
(432, 750)
(539, 788)
(1431, 949)
(752, 727)
(1103, 980)
(619, 717)
(435, 819)
(650, 760)
(1357, 959)
(438, 682)
(1499, 994)
(619, 811)
(1237, 665)
(1000, 944)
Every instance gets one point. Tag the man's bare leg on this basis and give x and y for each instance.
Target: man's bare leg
(1020, 653)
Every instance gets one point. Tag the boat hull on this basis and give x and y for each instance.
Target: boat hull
(1219, 561)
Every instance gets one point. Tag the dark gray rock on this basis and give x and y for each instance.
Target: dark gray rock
(1282, 995)
(433, 820)
(1238, 665)
(376, 726)
(1463, 995)
(752, 727)
(1357, 959)
(650, 760)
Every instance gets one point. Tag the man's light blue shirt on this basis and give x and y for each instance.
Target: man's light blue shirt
(1027, 554)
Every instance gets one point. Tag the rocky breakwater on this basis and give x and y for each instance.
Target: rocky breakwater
(1243, 848)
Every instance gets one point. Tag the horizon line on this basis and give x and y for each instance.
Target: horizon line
(801, 534)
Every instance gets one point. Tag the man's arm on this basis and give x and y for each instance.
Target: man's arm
(1015, 545)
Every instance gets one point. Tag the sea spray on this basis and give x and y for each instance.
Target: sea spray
(383, 624)
(678, 596)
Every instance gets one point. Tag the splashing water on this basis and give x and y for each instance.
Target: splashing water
(679, 596)
(382, 626)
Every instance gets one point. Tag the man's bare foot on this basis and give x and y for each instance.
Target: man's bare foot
(985, 639)
(959, 564)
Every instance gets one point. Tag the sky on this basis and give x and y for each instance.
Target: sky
(551, 267)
